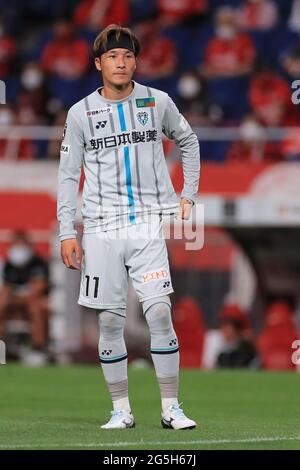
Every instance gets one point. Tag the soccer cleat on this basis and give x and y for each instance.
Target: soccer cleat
(120, 420)
(174, 418)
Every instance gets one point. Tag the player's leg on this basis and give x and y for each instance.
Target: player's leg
(165, 356)
(148, 265)
(104, 288)
(113, 358)
(38, 312)
(164, 347)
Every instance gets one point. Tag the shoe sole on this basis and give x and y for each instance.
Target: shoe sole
(127, 427)
(168, 426)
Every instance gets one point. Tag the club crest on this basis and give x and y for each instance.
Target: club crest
(142, 117)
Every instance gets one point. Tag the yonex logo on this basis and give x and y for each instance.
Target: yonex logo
(101, 124)
(65, 149)
(173, 342)
(166, 284)
(106, 352)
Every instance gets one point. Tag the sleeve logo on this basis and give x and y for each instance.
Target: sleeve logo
(65, 149)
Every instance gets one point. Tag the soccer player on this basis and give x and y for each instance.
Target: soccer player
(116, 134)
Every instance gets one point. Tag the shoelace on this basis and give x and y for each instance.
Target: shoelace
(178, 412)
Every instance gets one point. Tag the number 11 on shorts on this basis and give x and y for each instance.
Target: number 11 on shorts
(87, 285)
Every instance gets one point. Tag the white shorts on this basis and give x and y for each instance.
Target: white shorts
(109, 257)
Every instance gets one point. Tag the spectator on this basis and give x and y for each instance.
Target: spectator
(178, 11)
(7, 52)
(257, 15)
(158, 57)
(231, 345)
(34, 92)
(65, 56)
(96, 14)
(238, 349)
(229, 53)
(270, 99)
(251, 146)
(194, 100)
(25, 289)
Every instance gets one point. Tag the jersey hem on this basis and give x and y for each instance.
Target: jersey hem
(100, 306)
(159, 294)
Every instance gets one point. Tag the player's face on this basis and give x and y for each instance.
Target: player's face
(117, 66)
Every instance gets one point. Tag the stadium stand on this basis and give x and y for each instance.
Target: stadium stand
(230, 67)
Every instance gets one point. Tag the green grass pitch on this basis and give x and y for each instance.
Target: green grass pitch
(63, 407)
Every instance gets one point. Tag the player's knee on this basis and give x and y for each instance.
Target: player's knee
(158, 317)
(111, 323)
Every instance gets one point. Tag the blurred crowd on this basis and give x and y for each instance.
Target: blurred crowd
(24, 303)
(225, 63)
(235, 343)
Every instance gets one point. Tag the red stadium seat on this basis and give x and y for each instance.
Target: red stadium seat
(190, 329)
(275, 341)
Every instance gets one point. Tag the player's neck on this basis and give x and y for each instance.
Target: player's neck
(110, 92)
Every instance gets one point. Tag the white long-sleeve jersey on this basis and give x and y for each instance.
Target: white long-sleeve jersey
(119, 145)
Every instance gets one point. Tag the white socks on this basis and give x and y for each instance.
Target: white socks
(167, 402)
(122, 404)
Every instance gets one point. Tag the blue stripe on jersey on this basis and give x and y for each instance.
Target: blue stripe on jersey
(128, 184)
(127, 165)
(121, 117)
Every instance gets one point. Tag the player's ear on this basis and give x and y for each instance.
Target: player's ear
(98, 63)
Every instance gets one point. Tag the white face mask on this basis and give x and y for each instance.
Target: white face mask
(31, 79)
(225, 32)
(188, 87)
(251, 131)
(19, 255)
(6, 117)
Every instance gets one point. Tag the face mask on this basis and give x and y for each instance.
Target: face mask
(251, 131)
(188, 87)
(6, 117)
(225, 32)
(31, 79)
(19, 255)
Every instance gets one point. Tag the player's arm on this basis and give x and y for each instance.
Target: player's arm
(176, 127)
(71, 158)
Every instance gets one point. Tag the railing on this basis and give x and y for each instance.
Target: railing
(15, 134)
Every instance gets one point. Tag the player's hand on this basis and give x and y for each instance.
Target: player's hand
(71, 253)
(184, 209)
